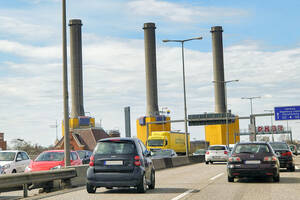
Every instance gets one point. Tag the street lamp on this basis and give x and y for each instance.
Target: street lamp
(251, 98)
(252, 119)
(271, 111)
(226, 107)
(184, 92)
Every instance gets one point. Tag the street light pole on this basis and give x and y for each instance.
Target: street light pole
(252, 118)
(226, 108)
(184, 90)
(271, 111)
(65, 88)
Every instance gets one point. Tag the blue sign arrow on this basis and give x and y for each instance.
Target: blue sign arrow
(287, 113)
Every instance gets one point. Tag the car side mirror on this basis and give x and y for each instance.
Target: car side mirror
(147, 153)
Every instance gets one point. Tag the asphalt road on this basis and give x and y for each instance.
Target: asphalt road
(199, 181)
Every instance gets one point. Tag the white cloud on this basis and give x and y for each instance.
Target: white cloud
(184, 12)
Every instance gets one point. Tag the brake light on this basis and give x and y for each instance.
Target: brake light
(92, 161)
(137, 161)
(207, 152)
(225, 152)
(270, 158)
(234, 159)
(289, 153)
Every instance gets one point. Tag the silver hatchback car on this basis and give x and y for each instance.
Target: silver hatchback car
(216, 153)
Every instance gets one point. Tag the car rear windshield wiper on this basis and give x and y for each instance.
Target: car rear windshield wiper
(246, 152)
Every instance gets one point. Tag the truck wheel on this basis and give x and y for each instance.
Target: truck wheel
(90, 188)
(142, 187)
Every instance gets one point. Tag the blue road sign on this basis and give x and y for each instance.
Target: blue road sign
(287, 113)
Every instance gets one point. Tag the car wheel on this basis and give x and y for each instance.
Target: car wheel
(211, 162)
(230, 179)
(142, 187)
(152, 185)
(14, 171)
(90, 188)
(207, 162)
(291, 169)
(276, 178)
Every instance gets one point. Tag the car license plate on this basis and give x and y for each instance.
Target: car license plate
(217, 157)
(252, 162)
(114, 162)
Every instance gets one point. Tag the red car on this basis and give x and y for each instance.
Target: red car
(53, 159)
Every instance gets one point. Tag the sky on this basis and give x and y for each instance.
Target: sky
(261, 49)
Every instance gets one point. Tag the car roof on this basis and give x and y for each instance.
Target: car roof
(15, 151)
(278, 142)
(254, 142)
(57, 151)
(118, 139)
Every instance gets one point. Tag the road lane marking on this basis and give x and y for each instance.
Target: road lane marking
(217, 176)
(182, 195)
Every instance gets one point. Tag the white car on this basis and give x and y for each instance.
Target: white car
(13, 161)
(216, 153)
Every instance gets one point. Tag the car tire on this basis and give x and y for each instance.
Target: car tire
(14, 171)
(276, 178)
(211, 162)
(207, 162)
(90, 189)
(152, 184)
(142, 186)
(291, 169)
(230, 179)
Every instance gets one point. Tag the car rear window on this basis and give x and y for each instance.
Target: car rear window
(279, 146)
(115, 147)
(216, 148)
(50, 156)
(252, 148)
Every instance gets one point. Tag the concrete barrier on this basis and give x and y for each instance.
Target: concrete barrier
(159, 164)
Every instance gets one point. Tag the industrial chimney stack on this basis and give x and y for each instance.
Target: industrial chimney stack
(218, 68)
(76, 68)
(151, 75)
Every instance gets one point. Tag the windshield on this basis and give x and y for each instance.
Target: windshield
(216, 148)
(200, 151)
(279, 146)
(115, 147)
(7, 156)
(50, 156)
(252, 148)
(81, 154)
(162, 153)
(152, 143)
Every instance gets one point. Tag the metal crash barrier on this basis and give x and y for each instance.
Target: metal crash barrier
(12, 182)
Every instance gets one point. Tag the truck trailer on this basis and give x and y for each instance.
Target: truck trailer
(168, 140)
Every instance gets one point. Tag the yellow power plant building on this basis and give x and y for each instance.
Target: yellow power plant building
(216, 134)
(141, 126)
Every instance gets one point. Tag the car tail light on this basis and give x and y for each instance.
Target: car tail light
(225, 152)
(92, 161)
(234, 159)
(289, 153)
(270, 158)
(207, 152)
(137, 161)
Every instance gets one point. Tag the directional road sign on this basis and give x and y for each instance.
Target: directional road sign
(287, 113)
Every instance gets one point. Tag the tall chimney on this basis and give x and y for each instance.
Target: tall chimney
(76, 68)
(151, 75)
(217, 49)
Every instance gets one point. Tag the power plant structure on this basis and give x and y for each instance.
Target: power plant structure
(152, 112)
(83, 132)
(217, 134)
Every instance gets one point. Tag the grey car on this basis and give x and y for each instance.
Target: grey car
(120, 162)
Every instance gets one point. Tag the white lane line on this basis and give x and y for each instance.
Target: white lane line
(296, 167)
(182, 195)
(217, 176)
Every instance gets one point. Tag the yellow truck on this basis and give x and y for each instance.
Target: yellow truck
(168, 140)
